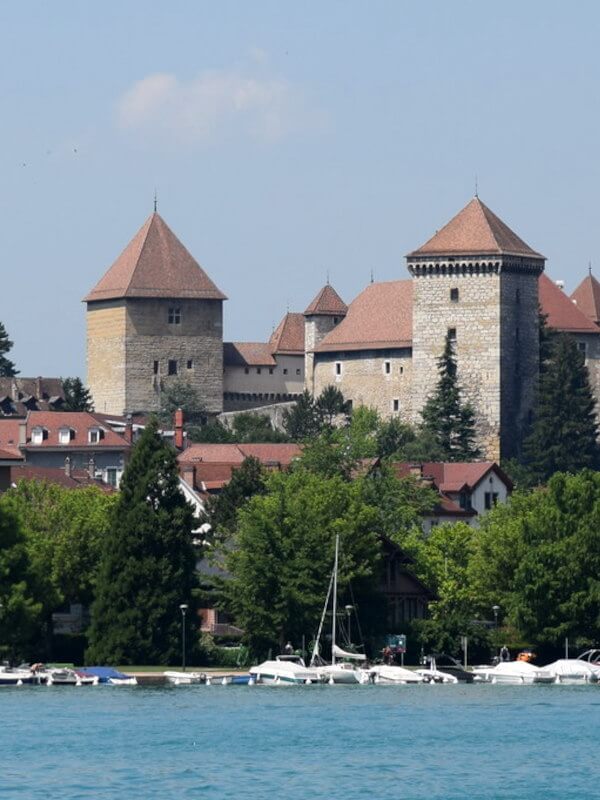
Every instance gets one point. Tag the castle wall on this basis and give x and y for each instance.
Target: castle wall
(316, 327)
(106, 330)
(475, 316)
(364, 379)
(195, 343)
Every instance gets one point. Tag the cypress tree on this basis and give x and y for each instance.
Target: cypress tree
(445, 418)
(77, 397)
(563, 436)
(148, 565)
(7, 367)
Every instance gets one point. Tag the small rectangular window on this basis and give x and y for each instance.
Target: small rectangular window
(246, 370)
(401, 370)
(582, 347)
(487, 501)
(387, 367)
(338, 367)
(454, 295)
(190, 364)
(172, 367)
(174, 316)
(285, 371)
(155, 367)
(396, 404)
(258, 370)
(452, 334)
(271, 370)
(298, 371)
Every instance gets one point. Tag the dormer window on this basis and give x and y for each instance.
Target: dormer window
(174, 315)
(38, 435)
(65, 435)
(95, 435)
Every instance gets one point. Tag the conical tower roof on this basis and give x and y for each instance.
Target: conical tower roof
(288, 336)
(326, 303)
(155, 264)
(475, 230)
(587, 298)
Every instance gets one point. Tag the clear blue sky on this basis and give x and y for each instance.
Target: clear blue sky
(285, 139)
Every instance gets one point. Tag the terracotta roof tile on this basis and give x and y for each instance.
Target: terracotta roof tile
(214, 453)
(274, 453)
(379, 318)
(475, 230)
(327, 302)
(242, 354)
(155, 264)
(80, 423)
(587, 298)
(452, 477)
(562, 313)
(77, 480)
(288, 337)
(9, 437)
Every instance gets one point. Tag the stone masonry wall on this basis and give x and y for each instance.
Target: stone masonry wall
(519, 347)
(365, 381)
(476, 318)
(106, 325)
(198, 339)
(315, 329)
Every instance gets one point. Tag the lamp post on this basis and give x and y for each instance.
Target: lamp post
(496, 609)
(183, 608)
(349, 610)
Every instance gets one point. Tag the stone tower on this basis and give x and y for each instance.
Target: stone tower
(479, 281)
(154, 318)
(322, 315)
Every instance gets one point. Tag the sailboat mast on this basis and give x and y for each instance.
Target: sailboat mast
(334, 611)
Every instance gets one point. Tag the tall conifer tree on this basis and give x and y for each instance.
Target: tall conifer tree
(564, 433)
(7, 367)
(148, 564)
(77, 397)
(450, 423)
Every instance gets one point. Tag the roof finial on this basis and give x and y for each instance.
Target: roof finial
(155, 201)
(590, 267)
(327, 277)
(476, 186)
(287, 307)
(372, 278)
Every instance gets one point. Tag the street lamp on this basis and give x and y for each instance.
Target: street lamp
(183, 608)
(349, 610)
(496, 609)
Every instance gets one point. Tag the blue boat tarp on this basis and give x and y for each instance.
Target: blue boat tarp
(104, 673)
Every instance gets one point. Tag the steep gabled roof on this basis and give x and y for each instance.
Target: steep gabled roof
(562, 313)
(475, 230)
(587, 298)
(288, 336)
(379, 318)
(155, 264)
(327, 303)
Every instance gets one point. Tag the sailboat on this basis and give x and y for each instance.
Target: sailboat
(341, 669)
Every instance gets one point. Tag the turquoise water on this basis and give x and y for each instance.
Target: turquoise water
(425, 742)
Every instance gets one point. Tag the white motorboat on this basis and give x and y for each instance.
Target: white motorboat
(67, 677)
(514, 672)
(285, 670)
(591, 657)
(10, 676)
(390, 673)
(573, 670)
(180, 678)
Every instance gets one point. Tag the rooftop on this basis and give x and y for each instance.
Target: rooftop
(562, 313)
(327, 303)
(587, 297)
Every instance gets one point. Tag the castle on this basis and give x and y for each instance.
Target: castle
(156, 317)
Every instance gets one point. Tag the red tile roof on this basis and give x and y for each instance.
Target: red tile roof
(379, 318)
(274, 453)
(155, 264)
(475, 231)
(77, 480)
(9, 437)
(453, 477)
(562, 313)
(288, 337)
(212, 453)
(327, 302)
(243, 354)
(587, 298)
(80, 423)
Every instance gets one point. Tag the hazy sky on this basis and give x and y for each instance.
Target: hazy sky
(285, 139)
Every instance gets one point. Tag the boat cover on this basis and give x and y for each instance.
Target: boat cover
(104, 673)
(339, 653)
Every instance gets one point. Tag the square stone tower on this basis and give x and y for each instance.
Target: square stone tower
(322, 315)
(478, 280)
(154, 318)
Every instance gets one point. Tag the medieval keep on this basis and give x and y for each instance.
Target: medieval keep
(156, 317)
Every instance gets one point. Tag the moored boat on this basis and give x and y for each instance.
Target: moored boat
(390, 673)
(111, 676)
(573, 670)
(513, 672)
(180, 678)
(285, 670)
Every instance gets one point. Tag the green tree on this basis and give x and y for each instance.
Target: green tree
(148, 564)
(77, 396)
(563, 436)
(20, 612)
(281, 563)
(332, 408)
(212, 433)
(7, 367)
(255, 428)
(246, 481)
(181, 394)
(302, 421)
(450, 422)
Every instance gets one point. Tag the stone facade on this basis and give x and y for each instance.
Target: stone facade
(380, 379)
(253, 386)
(316, 327)
(134, 351)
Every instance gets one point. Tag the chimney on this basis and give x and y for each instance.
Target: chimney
(92, 468)
(22, 433)
(188, 473)
(68, 466)
(38, 387)
(416, 470)
(128, 429)
(179, 429)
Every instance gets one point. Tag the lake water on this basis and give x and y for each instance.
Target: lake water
(425, 742)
